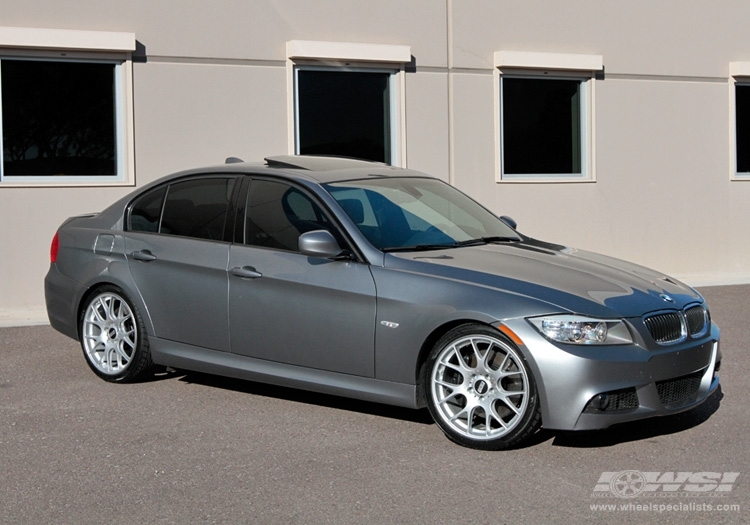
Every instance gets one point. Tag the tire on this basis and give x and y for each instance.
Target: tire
(480, 389)
(113, 337)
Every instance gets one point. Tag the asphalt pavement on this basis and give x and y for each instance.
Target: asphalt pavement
(194, 448)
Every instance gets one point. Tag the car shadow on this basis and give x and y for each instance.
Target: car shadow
(641, 430)
(615, 435)
(303, 396)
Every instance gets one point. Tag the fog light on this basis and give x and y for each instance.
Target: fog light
(599, 402)
(612, 401)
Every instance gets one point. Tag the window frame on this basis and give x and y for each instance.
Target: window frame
(354, 58)
(50, 45)
(553, 66)
(739, 75)
(393, 110)
(164, 187)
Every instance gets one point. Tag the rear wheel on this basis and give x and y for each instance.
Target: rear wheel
(480, 390)
(113, 339)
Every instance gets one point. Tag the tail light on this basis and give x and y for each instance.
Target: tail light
(54, 248)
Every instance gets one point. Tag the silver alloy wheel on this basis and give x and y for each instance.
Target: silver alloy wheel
(480, 387)
(109, 334)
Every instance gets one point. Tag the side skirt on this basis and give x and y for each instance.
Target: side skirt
(187, 357)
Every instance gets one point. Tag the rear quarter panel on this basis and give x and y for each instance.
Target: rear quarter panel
(88, 256)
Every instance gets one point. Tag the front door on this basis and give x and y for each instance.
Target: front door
(290, 308)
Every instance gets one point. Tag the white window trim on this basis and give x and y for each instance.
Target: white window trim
(81, 46)
(739, 73)
(571, 66)
(31, 38)
(346, 56)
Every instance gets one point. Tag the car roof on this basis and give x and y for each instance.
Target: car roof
(315, 168)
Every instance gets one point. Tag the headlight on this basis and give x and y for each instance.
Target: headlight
(575, 329)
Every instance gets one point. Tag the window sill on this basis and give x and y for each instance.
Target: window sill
(66, 184)
(543, 179)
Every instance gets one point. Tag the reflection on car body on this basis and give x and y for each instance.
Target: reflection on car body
(363, 280)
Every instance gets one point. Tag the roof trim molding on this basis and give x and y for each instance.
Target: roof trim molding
(34, 38)
(356, 52)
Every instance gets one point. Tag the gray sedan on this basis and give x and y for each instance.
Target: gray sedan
(377, 283)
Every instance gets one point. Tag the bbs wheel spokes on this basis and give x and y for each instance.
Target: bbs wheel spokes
(109, 334)
(480, 388)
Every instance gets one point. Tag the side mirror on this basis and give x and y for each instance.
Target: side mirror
(509, 221)
(319, 243)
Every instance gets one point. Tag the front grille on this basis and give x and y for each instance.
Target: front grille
(679, 392)
(697, 320)
(674, 327)
(665, 328)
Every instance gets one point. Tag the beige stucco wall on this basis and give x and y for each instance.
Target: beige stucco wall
(215, 84)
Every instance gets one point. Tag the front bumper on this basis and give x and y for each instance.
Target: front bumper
(644, 383)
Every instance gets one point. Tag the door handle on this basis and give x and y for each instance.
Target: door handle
(144, 255)
(246, 272)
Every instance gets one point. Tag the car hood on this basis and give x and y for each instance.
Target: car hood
(572, 280)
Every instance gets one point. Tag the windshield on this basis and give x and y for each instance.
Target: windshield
(402, 214)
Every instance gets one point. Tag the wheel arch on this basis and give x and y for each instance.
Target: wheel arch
(432, 339)
(94, 288)
(427, 346)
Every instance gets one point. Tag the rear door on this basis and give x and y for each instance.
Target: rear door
(177, 247)
(290, 308)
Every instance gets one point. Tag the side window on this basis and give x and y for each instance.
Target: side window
(146, 211)
(277, 214)
(196, 208)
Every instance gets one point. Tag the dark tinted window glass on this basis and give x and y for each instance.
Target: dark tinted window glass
(541, 126)
(146, 210)
(197, 208)
(344, 113)
(58, 118)
(742, 104)
(277, 214)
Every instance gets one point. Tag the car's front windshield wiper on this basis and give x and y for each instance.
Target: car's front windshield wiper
(458, 244)
(486, 240)
(418, 247)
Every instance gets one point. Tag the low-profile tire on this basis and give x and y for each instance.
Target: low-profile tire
(480, 389)
(113, 337)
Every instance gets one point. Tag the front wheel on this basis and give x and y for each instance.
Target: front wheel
(480, 390)
(113, 339)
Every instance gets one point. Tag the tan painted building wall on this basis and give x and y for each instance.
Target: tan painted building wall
(211, 80)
